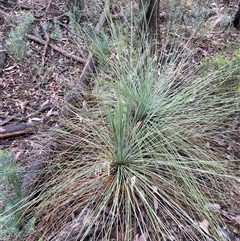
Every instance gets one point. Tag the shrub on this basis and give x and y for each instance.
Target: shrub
(11, 223)
(56, 33)
(17, 41)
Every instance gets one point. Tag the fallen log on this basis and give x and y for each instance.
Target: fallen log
(15, 130)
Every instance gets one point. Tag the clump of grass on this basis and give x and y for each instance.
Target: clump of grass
(17, 41)
(142, 159)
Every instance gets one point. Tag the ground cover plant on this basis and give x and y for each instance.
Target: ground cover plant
(138, 153)
(12, 199)
(17, 42)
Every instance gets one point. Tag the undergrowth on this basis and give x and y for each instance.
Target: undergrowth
(11, 200)
(17, 41)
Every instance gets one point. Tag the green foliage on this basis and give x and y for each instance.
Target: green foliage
(77, 4)
(74, 15)
(220, 61)
(10, 173)
(174, 10)
(225, 21)
(224, 64)
(192, 14)
(73, 23)
(139, 160)
(198, 12)
(17, 41)
(143, 156)
(101, 47)
(236, 58)
(119, 122)
(11, 198)
(57, 32)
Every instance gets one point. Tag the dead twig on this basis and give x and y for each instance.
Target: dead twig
(19, 119)
(40, 110)
(45, 48)
(48, 6)
(60, 50)
(8, 119)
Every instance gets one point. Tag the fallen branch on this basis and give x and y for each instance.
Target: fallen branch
(60, 50)
(40, 110)
(48, 6)
(15, 130)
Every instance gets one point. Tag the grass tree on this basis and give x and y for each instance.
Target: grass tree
(142, 161)
(139, 158)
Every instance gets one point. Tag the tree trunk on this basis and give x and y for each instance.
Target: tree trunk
(236, 20)
(151, 17)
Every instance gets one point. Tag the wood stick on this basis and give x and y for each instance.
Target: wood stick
(45, 48)
(60, 50)
(15, 130)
